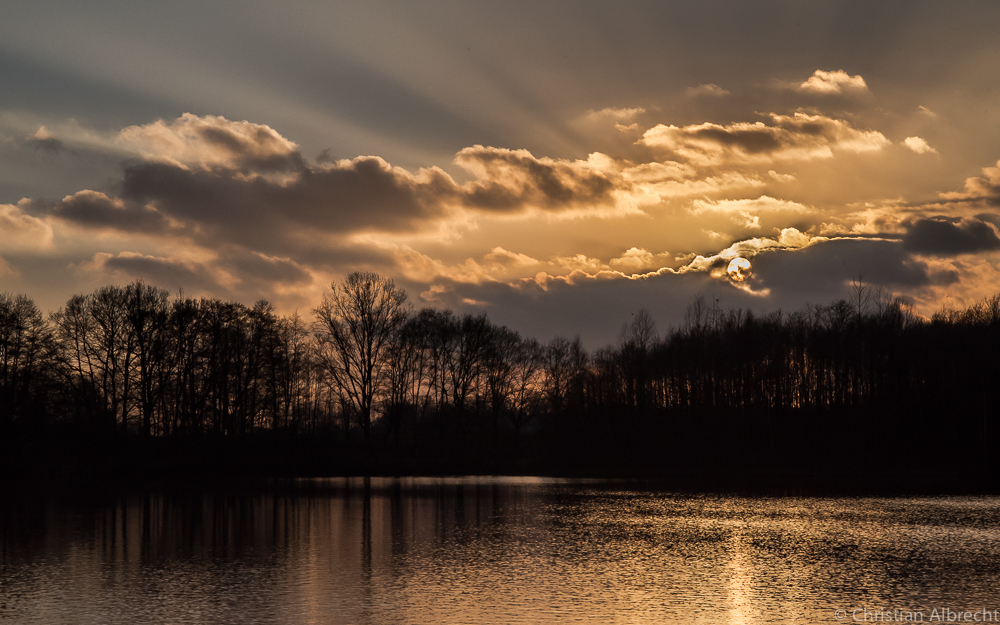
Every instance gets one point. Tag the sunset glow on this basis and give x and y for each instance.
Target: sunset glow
(499, 164)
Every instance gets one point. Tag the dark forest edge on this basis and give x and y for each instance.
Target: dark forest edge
(855, 396)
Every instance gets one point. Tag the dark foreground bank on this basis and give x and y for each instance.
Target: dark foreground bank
(735, 463)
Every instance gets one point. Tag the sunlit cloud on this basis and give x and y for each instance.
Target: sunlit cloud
(21, 231)
(420, 267)
(867, 220)
(211, 141)
(617, 115)
(984, 189)
(510, 180)
(499, 260)
(782, 178)
(762, 204)
(747, 213)
(580, 262)
(800, 136)
(957, 281)
(710, 89)
(656, 191)
(919, 145)
(833, 83)
(216, 206)
(637, 259)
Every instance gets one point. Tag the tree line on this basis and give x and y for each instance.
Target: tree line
(847, 386)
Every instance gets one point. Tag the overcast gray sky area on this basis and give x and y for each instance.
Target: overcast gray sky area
(558, 165)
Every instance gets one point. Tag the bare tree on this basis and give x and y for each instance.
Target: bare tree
(355, 325)
(146, 312)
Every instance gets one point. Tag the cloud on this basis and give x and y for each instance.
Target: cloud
(618, 115)
(789, 137)
(211, 141)
(762, 204)
(421, 268)
(870, 220)
(707, 90)
(232, 209)
(942, 236)
(919, 145)
(20, 231)
(746, 213)
(977, 188)
(782, 178)
(170, 273)
(596, 304)
(247, 275)
(44, 141)
(93, 209)
(833, 83)
(225, 206)
(365, 193)
(824, 270)
(637, 259)
(263, 268)
(510, 180)
(655, 192)
(218, 183)
(500, 259)
(787, 239)
(580, 262)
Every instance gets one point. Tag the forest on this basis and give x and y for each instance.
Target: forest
(127, 382)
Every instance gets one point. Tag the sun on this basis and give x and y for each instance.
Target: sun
(739, 269)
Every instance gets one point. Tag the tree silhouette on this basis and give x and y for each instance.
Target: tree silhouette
(355, 325)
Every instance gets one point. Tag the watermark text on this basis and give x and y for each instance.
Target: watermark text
(934, 615)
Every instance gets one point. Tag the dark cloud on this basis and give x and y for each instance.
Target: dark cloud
(820, 272)
(163, 272)
(943, 236)
(97, 210)
(222, 204)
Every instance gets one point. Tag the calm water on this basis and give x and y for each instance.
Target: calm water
(481, 550)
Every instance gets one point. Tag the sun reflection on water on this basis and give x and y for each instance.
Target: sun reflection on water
(487, 551)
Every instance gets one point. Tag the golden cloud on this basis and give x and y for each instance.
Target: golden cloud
(709, 89)
(833, 83)
(210, 141)
(800, 136)
(22, 232)
(918, 145)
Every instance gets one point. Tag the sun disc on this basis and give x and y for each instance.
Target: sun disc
(739, 269)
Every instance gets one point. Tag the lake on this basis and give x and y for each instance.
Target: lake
(490, 550)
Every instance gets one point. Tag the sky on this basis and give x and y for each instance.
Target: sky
(557, 165)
